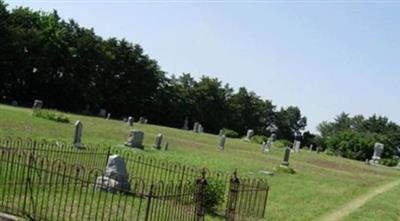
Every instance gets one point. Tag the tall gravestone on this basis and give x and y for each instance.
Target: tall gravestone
(135, 139)
(378, 150)
(196, 127)
(115, 177)
(311, 147)
(296, 146)
(108, 116)
(37, 105)
(221, 132)
(285, 161)
(186, 124)
(158, 141)
(201, 128)
(130, 121)
(268, 145)
(222, 140)
(78, 134)
(250, 133)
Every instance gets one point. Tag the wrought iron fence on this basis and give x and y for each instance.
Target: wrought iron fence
(245, 198)
(53, 190)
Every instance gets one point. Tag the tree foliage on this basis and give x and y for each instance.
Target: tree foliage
(354, 137)
(72, 69)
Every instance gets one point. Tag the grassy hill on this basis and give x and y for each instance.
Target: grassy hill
(322, 183)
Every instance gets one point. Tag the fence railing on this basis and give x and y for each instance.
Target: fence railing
(246, 198)
(53, 190)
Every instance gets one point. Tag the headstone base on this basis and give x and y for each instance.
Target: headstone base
(108, 184)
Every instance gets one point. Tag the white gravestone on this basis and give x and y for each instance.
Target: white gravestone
(378, 150)
(222, 140)
(37, 105)
(296, 146)
(78, 134)
(115, 177)
(130, 121)
(250, 133)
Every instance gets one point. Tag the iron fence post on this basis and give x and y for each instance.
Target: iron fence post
(232, 197)
(150, 196)
(200, 196)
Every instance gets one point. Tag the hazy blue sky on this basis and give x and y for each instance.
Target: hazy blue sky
(325, 57)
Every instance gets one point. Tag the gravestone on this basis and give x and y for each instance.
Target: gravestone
(142, 120)
(319, 148)
(268, 145)
(311, 147)
(166, 146)
(285, 162)
(78, 134)
(186, 124)
(221, 132)
(264, 146)
(296, 146)
(115, 177)
(196, 127)
(146, 121)
(135, 139)
(378, 150)
(222, 140)
(108, 116)
(102, 112)
(14, 103)
(249, 134)
(130, 121)
(158, 141)
(201, 129)
(37, 105)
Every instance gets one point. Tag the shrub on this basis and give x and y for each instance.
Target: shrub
(259, 139)
(391, 162)
(230, 133)
(51, 115)
(215, 191)
(354, 145)
(282, 143)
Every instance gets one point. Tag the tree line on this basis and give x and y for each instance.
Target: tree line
(72, 69)
(354, 137)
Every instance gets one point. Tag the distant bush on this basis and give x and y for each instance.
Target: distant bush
(51, 115)
(354, 145)
(390, 162)
(230, 133)
(259, 139)
(282, 143)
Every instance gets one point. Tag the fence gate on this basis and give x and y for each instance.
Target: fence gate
(247, 199)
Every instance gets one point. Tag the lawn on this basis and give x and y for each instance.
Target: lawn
(321, 183)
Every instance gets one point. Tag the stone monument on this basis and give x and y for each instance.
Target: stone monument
(135, 139)
(115, 177)
(78, 134)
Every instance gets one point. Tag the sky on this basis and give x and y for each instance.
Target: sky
(325, 57)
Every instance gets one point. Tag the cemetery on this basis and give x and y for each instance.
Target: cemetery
(96, 127)
(116, 160)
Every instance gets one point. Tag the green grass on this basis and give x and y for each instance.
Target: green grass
(383, 207)
(321, 183)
